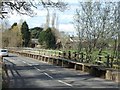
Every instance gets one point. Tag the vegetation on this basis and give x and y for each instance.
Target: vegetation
(48, 39)
(26, 36)
(35, 32)
(12, 37)
(27, 7)
(98, 26)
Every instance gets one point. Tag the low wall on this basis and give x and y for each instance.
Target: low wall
(94, 70)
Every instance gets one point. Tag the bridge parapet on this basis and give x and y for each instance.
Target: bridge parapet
(94, 70)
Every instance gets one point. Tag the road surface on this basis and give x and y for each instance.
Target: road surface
(24, 72)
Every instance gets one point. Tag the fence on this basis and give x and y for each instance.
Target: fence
(74, 56)
(65, 61)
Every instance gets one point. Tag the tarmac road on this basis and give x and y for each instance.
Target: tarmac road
(24, 72)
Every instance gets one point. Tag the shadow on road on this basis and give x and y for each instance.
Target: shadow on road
(12, 56)
(32, 76)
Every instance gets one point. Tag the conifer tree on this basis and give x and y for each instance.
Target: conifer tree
(25, 34)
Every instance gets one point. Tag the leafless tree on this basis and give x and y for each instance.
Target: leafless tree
(12, 37)
(84, 25)
(25, 7)
(64, 38)
(97, 23)
(116, 28)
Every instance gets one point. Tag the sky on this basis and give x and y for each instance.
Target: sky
(65, 18)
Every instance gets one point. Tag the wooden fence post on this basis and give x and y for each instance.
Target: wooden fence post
(81, 56)
(59, 54)
(75, 55)
(111, 63)
(108, 60)
(69, 55)
(64, 54)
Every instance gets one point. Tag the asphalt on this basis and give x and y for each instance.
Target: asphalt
(24, 72)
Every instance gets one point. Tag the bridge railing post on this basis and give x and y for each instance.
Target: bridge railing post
(69, 55)
(75, 55)
(108, 60)
(111, 63)
(59, 54)
(64, 54)
(82, 56)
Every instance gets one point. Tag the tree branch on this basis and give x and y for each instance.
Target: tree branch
(26, 7)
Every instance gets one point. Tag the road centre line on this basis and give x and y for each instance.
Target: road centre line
(40, 70)
(65, 83)
(23, 61)
(37, 69)
(53, 78)
(29, 64)
(49, 75)
(44, 73)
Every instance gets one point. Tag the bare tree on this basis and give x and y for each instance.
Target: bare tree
(26, 6)
(119, 29)
(116, 29)
(83, 22)
(12, 37)
(97, 23)
(64, 38)
(77, 23)
(3, 27)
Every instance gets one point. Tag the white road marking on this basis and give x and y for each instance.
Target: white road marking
(32, 64)
(26, 63)
(65, 83)
(35, 64)
(44, 73)
(23, 61)
(48, 75)
(52, 77)
(29, 64)
(37, 69)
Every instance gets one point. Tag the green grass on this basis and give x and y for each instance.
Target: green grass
(94, 55)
